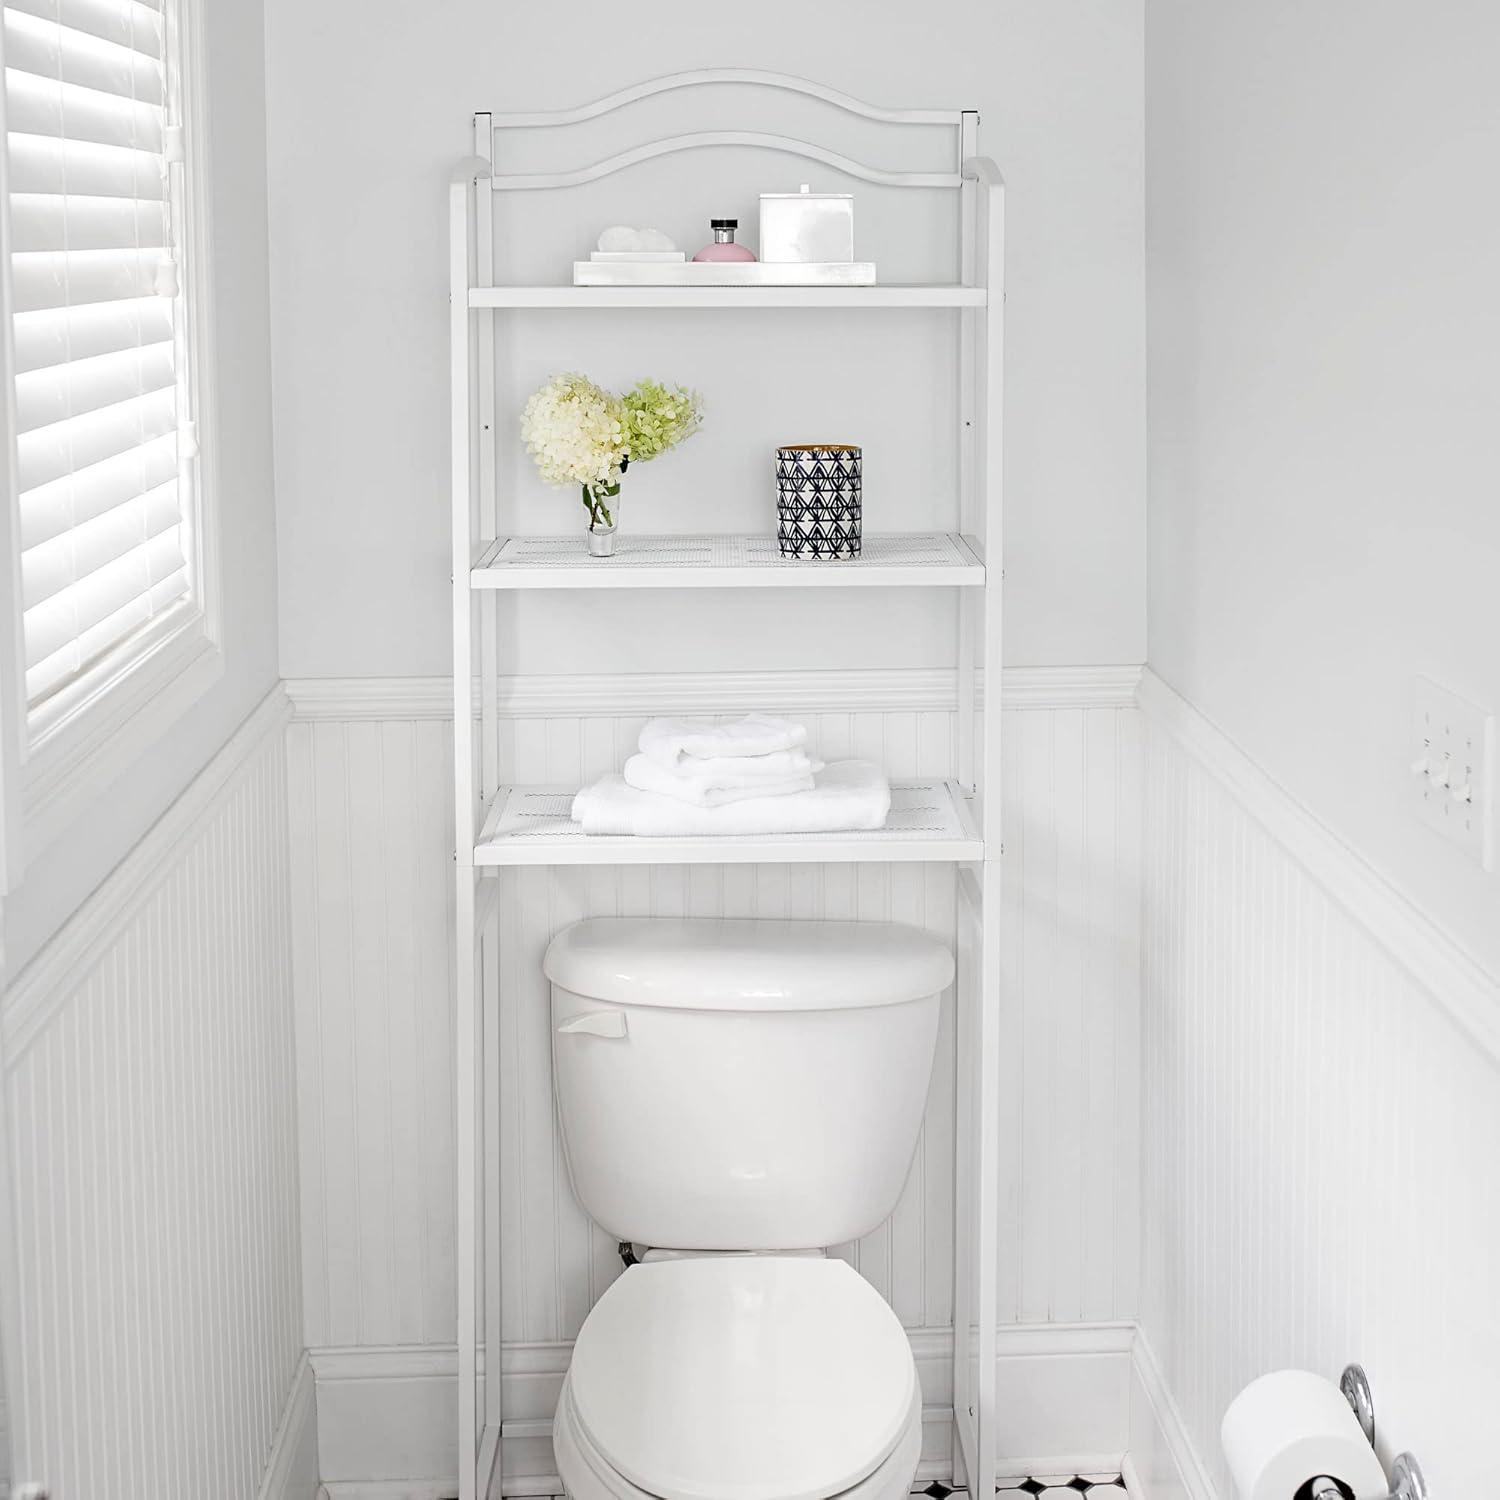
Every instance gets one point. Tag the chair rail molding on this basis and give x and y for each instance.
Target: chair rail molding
(51, 975)
(894, 690)
(1457, 983)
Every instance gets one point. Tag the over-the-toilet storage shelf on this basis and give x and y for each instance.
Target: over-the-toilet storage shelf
(949, 820)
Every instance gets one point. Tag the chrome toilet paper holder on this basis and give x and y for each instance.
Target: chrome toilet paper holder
(1406, 1478)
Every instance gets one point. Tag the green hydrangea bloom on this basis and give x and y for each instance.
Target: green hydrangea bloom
(658, 417)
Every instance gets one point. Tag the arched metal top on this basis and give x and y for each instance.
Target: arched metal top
(982, 169)
(691, 79)
(470, 169)
(517, 181)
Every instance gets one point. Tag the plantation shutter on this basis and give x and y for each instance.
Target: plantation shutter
(102, 434)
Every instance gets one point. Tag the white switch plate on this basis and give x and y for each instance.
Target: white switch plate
(1454, 751)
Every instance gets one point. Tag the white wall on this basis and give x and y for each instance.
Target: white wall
(148, 1257)
(152, 1294)
(1324, 325)
(372, 894)
(365, 122)
(1322, 1097)
(57, 882)
(1320, 1011)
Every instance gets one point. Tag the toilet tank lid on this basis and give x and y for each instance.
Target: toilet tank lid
(746, 964)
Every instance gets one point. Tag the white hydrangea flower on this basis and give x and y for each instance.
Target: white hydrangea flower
(576, 433)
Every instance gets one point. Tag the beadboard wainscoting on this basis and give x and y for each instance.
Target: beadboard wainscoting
(1321, 1107)
(1063, 1387)
(155, 1313)
(370, 777)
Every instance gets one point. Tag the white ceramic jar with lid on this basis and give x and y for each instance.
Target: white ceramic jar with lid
(807, 227)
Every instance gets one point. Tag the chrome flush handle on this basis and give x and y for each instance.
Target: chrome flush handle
(595, 1023)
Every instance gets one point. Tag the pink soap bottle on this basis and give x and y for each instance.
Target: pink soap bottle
(723, 247)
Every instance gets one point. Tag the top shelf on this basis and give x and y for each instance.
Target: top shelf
(867, 298)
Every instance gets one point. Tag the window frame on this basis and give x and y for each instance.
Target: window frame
(59, 757)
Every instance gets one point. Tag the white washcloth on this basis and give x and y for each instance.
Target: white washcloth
(671, 740)
(722, 787)
(847, 795)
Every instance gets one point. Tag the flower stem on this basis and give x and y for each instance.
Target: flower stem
(593, 500)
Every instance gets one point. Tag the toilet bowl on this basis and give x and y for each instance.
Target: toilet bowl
(736, 1094)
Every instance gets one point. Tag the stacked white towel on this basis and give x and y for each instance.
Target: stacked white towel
(674, 741)
(847, 795)
(712, 765)
(716, 783)
(750, 776)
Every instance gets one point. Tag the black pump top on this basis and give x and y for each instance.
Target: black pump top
(723, 223)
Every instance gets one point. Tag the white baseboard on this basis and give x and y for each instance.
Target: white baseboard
(881, 690)
(1161, 1463)
(396, 1489)
(385, 1415)
(291, 1471)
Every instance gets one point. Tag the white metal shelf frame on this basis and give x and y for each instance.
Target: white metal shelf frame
(929, 822)
(892, 296)
(728, 561)
(953, 820)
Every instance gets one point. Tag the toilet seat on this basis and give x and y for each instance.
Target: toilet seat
(740, 1378)
(587, 1475)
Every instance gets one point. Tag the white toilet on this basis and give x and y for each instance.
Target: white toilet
(738, 1095)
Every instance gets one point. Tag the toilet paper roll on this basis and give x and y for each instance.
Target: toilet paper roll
(1291, 1426)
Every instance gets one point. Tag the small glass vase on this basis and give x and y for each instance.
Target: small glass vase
(603, 505)
(601, 538)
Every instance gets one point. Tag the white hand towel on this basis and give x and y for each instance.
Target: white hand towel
(740, 770)
(847, 795)
(671, 740)
(647, 775)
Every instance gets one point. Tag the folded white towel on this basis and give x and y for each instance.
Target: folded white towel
(741, 770)
(847, 795)
(720, 789)
(671, 740)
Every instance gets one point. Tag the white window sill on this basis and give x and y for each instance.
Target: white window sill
(78, 759)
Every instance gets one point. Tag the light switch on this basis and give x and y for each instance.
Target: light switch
(1452, 787)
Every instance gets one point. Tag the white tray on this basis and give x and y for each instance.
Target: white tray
(725, 273)
(638, 257)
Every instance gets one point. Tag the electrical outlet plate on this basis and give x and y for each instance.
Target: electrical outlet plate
(1453, 769)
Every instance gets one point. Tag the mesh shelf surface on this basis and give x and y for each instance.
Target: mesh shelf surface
(844, 298)
(733, 561)
(928, 821)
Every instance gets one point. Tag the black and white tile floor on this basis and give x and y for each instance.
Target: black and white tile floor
(1040, 1487)
(1023, 1487)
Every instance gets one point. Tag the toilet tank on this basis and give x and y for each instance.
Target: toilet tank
(735, 1084)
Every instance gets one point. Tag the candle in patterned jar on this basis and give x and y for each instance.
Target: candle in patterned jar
(818, 499)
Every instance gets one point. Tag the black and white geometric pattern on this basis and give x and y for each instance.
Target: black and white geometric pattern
(1041, 1487)
(1023, 1487)
(819, 492)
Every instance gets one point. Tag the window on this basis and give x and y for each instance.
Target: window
(107, 530)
